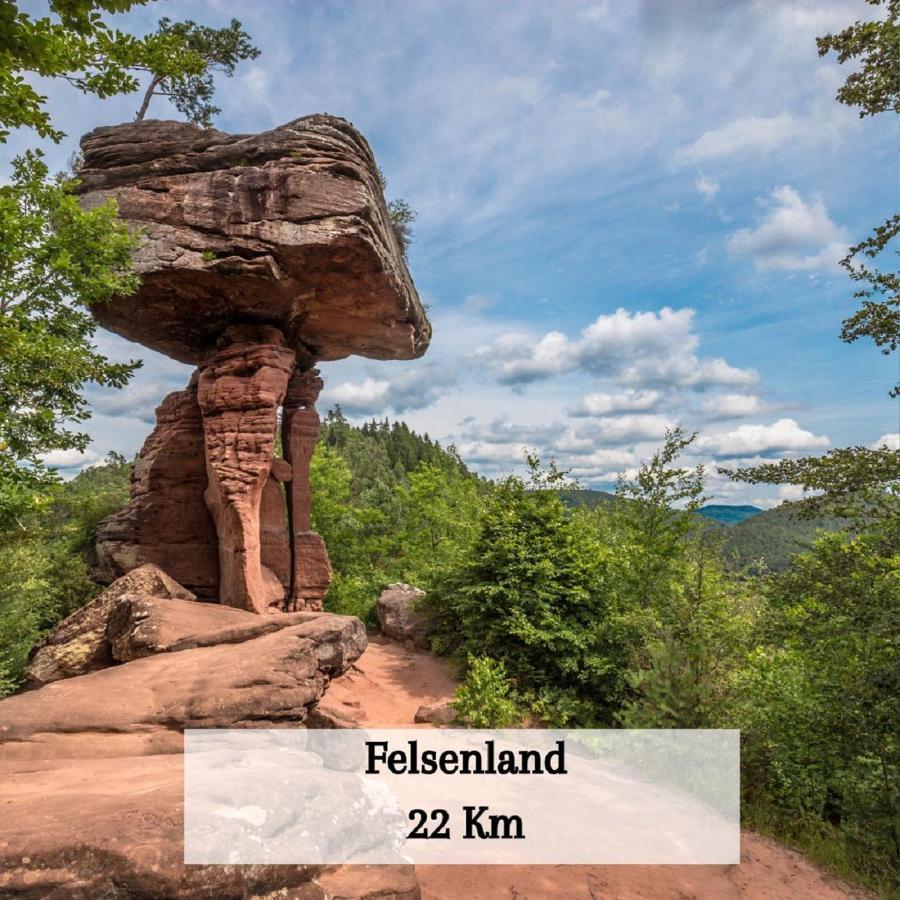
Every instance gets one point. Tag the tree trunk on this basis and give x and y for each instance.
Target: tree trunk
(154, 83)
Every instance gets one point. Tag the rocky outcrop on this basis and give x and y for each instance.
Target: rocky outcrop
(167, 522)
(79, 643)
(140, 625)
(240, 389)
(265, 680)
(288, 227)
(91, 771)
(311, 574)
(260, 254)
(401, 619)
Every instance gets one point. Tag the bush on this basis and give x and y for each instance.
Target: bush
(486, 699)
(531, 595)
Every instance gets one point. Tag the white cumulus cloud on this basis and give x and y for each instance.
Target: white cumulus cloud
(793, 234)
(599, 404)
(891, 440)
(415, 389)
(731, 406)
(636, 349)
(782, 436)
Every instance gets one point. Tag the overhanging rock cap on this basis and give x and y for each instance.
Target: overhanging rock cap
(288, 227)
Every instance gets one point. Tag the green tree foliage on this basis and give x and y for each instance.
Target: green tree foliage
(402, 216)
(682, 671)
(58, 259)
(690, 620)
(875, 46)
(43, 561)
(767, 542)
(852, 482)
(656, 512)
(818, 701)
(75, 43)
(191, 91)
(874, 87)
(392, 506)
(532, 595)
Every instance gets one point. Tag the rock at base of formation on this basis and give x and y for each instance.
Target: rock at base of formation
(79, 644)
(167, 521)
(91, 771)
(399, 617)
(240, 388)
(311, 573)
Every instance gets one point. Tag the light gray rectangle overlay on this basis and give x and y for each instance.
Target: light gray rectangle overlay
(298, 796)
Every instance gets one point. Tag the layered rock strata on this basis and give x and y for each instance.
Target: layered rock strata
(91, 767)
(311, 572)
(240, 389)
(260, 255)
(288, 228)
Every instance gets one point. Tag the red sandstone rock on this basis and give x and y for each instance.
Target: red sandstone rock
(435, 714)
(287, 227)
(79, 643)
(167, 522)
(91, 772)
(240, 389)
(269, 679)
(140, 626)
(143, 626)
(311, 574)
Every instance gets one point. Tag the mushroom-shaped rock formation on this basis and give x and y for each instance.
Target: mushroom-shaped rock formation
(260, 256)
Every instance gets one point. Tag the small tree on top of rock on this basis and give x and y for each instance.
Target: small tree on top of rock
(219, 49)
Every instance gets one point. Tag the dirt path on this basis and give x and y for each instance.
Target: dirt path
(387, 686)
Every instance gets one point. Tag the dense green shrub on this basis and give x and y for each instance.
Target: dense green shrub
(532, 594)
(487, 698)
(43, 561)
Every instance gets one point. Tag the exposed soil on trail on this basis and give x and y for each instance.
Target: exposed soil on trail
(389, 683)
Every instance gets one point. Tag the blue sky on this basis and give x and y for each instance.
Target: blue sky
(629, 216)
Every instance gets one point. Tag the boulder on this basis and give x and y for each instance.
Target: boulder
(399, 618)
(91, 772)
(268, 679)
(288, 227)
(79, 644)
(140, 626)
(436, 714)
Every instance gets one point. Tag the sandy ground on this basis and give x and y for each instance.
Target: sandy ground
(387, 686)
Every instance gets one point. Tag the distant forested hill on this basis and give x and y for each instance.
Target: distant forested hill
(587, 498)
(728, 515)
(749, 536)
(773, 536)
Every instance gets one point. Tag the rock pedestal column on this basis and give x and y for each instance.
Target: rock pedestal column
(311, 573)
(241, 386)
